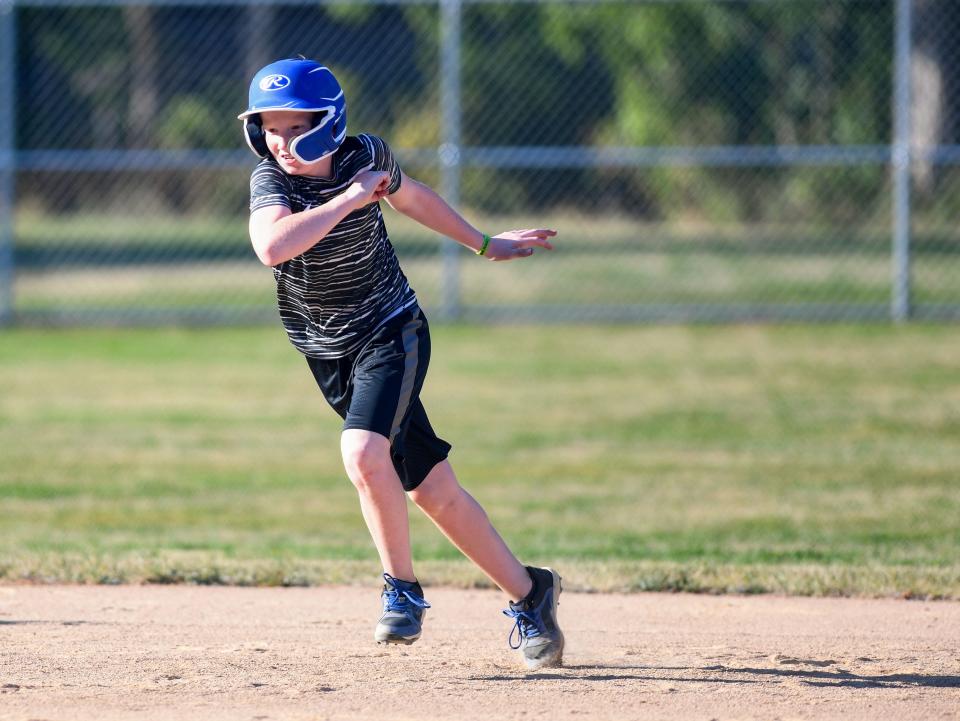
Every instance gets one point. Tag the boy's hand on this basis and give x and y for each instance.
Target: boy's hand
(518, 243)
(368, 187)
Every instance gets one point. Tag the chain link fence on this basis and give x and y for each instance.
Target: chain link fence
(701, 159)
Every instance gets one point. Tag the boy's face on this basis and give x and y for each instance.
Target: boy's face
(281, 127)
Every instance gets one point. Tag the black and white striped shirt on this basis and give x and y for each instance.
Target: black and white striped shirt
(333, 296)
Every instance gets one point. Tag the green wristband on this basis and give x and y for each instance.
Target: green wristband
(483, 248)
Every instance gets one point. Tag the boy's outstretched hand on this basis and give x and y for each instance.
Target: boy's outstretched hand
(518, 243)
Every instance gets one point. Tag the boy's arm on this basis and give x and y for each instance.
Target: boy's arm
(278, 234)
(423, 204)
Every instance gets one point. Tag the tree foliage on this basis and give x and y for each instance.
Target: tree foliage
(613, 73)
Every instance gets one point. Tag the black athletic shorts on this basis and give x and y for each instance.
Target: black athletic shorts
(377, 388)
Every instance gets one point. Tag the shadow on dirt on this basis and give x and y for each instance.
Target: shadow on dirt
(728, 674)
(599, 672)
(841, 678)
(53, 623)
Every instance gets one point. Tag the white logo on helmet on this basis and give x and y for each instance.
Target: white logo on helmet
(274, 82)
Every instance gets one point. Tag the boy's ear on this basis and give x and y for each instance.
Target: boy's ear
(253, 131)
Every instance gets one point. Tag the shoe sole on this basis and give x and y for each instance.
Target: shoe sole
(386, 639)
(555, 659)
(396, 641)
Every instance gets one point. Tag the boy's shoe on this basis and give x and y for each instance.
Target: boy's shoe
(403, 611)
(539, 637)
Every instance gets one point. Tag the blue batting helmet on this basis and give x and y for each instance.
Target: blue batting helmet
(302, 85)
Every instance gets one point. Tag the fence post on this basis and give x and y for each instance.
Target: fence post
(901, 155)
(449, 151)
(8, 55)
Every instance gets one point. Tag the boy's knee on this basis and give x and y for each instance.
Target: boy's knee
(366, 456)
(437, 495)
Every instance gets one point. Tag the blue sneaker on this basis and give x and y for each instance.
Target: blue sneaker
(403, 612)
(538, 636)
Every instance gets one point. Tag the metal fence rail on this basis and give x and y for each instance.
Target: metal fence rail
(704, 160)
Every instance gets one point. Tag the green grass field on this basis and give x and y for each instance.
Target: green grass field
(799, 459)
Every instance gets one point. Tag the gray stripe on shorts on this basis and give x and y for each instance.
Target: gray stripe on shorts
(411, 350)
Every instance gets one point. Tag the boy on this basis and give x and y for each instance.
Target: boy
(315, 219)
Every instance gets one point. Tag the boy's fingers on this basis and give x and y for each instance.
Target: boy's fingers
(521, 247)
(536, 233)
(535, 242)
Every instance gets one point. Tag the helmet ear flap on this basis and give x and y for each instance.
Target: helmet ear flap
(256, 138)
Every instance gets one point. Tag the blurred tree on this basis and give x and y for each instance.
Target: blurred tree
(71, 60)
(143, 97)
(615, 73)
(702, 74)
(935, 66)
(258, 29)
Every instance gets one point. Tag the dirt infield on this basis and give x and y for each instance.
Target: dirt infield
(149, 652)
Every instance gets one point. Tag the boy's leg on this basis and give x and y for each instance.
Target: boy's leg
(384, 383)
(366, 457)
(461, 519)
(458, 515)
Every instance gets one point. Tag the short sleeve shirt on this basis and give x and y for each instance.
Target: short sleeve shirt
(334, 296)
